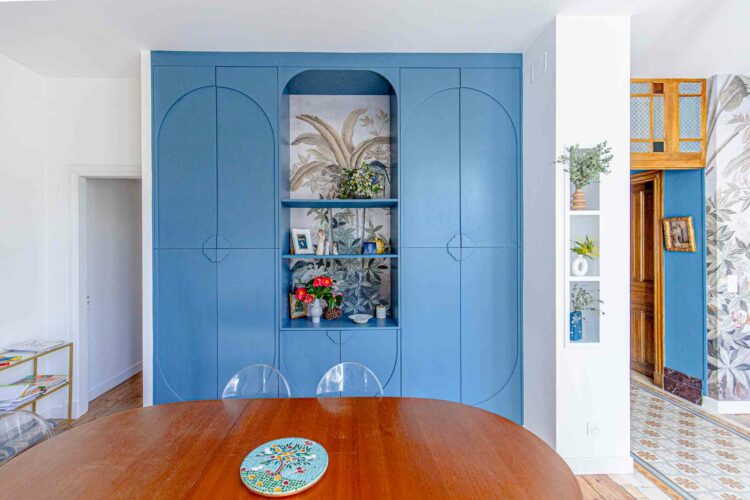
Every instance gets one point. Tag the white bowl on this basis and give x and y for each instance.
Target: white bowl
(360, 319)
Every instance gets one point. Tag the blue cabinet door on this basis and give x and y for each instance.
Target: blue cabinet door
(377, 350)
(431, 324)
(429, 142)
(305, 356)
(246, 155)
(490, 168)
(246, 326)
(184, 156)
(184, 326)
(490, 334)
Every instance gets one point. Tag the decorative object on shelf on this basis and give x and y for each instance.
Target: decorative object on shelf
(302, 242)
(321, 248)
(586, 249)
(369, 248)
(334, 248)
(381, 311)
(284, 467)
(360, 319)
(581, 300)
(317, 291)
(679, 235)
(380, 246)
(359, 183)
(585, 166)
(297, 308)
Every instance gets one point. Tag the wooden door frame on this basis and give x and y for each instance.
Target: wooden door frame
(656, 177)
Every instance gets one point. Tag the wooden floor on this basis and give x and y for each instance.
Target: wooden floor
(129, 395)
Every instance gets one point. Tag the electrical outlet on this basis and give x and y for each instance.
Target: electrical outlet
(592, 428)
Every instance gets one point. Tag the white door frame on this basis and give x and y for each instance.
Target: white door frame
(79, 322)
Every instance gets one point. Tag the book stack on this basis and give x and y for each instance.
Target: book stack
(27, 389)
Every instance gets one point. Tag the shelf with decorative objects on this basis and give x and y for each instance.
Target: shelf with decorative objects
(336, 203)
(342, 256)
(584, 168)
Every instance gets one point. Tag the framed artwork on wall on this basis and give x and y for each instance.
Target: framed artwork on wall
(302, 242)
(679, 235)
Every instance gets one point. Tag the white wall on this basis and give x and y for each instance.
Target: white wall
(540, 289)
(113, 282)
(22, 157)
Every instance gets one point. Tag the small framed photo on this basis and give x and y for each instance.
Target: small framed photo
(302, 242)
(679, 235)
(297, 309)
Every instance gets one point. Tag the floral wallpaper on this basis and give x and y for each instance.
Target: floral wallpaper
(728, 237)
(330, 134)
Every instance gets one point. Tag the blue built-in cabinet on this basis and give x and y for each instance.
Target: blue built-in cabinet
(222, 218)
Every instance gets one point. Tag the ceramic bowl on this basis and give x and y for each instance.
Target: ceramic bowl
(360, 319)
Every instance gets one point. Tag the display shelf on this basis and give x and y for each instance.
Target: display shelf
(574, 213)
(347, 256)
(342, 323)
(371, 203)
(584, 278)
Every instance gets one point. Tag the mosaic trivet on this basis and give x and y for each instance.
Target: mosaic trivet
(284, 467)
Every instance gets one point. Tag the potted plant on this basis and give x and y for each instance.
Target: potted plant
(359, 182)
(581, 300)
(585, 166)
(317, 291)
(586, 249)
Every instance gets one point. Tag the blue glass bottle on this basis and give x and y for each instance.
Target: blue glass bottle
(576, 326)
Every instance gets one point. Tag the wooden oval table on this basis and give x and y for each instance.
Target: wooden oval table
(378, 448)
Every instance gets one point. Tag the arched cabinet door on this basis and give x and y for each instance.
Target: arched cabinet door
(305, 356)
(377, 350)
(184, 156)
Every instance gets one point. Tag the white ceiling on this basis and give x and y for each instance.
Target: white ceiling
(102, 38)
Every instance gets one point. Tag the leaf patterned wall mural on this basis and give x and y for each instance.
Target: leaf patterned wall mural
(329, 134)
(728, 237)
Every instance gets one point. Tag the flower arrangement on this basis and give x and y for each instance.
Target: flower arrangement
(585, 166)
(582, 300)
(359, 182)
(321, 287)
(585, 248)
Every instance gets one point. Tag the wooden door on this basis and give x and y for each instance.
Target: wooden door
(645, 275)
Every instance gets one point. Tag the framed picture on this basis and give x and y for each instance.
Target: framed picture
(297, 309)
(678, 234)
(302, 242)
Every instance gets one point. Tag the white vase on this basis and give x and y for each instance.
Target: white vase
(316, 311)
(580, 266)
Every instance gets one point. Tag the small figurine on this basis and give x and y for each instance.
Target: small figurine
(321, 248)
(328, 248)
(335, 249)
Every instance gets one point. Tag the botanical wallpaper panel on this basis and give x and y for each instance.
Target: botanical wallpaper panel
(329, 134)
(728, 236)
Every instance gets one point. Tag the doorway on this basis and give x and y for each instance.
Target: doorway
(110, 281)
(646, 276)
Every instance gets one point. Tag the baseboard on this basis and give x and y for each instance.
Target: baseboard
(600, 465)
(712, 405)
(113, 382)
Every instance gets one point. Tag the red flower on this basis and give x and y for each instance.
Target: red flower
(327, 281)
(318, 281)
(300, 293)
(309, 299)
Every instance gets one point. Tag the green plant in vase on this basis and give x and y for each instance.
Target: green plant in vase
(585, 166)
(319, 290)
(585, 249)
(359, 182)
(581, 300)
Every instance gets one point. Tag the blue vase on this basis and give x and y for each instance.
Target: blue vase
(576, 326)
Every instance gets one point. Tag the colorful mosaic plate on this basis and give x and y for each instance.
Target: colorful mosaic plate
(284, 467)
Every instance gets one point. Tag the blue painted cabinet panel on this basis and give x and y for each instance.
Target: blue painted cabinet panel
(430, 175)
(377, 350)
(246, 120)
(185, 336)
(184, 157)
(489, 172)
(305, 356)
(490, 337)
(431, 324)
(246, 328)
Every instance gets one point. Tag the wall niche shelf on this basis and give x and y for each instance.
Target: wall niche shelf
(342, 323)
(348, 256)
(584, 278)
(371, 203)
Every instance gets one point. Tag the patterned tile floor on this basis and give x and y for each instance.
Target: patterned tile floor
(696, 454)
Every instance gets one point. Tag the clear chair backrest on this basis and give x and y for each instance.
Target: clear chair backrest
(20, 430)
(255, 382)
(349, 380)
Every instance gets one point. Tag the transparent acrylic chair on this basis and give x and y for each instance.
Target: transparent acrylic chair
(349, 380)
(255, 382)
(20, 430)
